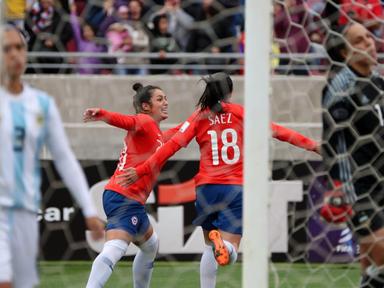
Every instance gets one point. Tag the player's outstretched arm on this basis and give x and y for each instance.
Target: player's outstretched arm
(152, 165)
(70, 170)
(295, 138)
(92, 114)
(127, 122)
(168, 134)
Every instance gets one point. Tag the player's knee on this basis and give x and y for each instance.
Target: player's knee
(113, 250)
(151, 246)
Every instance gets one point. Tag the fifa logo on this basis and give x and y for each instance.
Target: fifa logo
(345, 244)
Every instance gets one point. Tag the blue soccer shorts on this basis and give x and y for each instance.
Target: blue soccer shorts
(220, 207)
(125, 214)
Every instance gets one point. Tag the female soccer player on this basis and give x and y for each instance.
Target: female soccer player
(29, 119)
(217, 126)
(124, 206)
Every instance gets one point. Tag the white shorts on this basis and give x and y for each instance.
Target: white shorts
(18, 247)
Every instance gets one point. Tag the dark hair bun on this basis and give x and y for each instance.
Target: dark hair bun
(137, 86)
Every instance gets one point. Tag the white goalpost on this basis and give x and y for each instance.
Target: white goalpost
(256, 187)
(1, 38)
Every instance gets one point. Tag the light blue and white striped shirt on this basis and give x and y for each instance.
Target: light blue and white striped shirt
(27, 122)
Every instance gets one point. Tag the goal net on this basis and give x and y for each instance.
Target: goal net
(308, 93)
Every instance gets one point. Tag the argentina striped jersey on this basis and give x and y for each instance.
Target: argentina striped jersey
(27, 122)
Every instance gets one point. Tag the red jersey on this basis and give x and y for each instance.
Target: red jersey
(144, 137)
(220, 138)
(363, 10)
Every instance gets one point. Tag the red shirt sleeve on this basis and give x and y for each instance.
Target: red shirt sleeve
(154, 163)
(181, 139)
(168, 134)
(127, 122)
(293, 137)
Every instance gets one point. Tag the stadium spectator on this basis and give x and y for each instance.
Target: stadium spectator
(139, 34)
(135, 34)
(216, 125)
(85, 42)
(352, 124)
(180, 22)
(331, 14)
(316, 6)
(163, 43)
(128, 19)
(316, 32)
(211, 34)
(48, 31)
(367, 12)
(120, 40)
(29, 119)
(97, 13)
(15, 11)
(290, 23)
(113, 15)
(124, 206)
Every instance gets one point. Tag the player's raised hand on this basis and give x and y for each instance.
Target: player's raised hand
(91, 114)
(96, 226)
(128, 177)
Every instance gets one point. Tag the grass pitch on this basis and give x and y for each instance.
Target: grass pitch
(68, 274)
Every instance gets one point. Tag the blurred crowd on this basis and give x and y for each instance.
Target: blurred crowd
(302, 27)
(167, 26)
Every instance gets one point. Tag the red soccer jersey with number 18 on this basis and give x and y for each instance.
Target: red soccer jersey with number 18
(220, 137)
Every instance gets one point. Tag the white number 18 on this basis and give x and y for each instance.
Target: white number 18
(226, 145)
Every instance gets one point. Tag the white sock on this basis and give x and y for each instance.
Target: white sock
(232, 251)
(102, 266)
(143, 264)
(208, 268)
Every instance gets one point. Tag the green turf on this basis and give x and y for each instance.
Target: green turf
(186, 275)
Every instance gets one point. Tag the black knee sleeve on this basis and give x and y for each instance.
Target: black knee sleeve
(370, 282)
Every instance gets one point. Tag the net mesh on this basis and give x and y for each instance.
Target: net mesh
(329, 253)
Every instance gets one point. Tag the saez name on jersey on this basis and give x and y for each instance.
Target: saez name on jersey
(224, 118)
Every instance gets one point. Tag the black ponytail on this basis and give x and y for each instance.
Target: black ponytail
(143, 95)
(219, 87)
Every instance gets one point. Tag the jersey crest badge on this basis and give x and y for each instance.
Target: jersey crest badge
(40, 119)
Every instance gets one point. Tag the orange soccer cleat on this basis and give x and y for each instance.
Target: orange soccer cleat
(220, 250)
